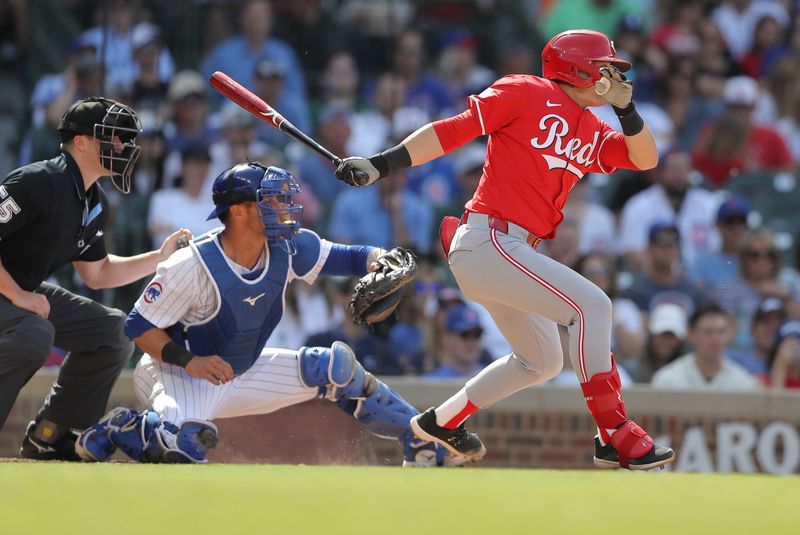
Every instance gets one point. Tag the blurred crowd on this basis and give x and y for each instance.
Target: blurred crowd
(698, 255)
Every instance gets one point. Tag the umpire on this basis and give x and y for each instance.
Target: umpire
(52, 213)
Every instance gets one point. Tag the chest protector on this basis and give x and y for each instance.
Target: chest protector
(247, 311)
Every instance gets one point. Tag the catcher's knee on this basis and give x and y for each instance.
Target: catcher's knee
(334, 370)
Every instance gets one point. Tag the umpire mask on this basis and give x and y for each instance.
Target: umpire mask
(115, 126)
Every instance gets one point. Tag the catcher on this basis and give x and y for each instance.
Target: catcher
(203, 320)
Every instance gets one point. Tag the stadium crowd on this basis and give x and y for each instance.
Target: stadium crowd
(699, 255)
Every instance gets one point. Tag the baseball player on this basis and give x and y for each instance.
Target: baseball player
(53, 213)
(203, 321)
(542, 140)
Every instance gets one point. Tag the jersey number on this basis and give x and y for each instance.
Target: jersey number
(8, 206)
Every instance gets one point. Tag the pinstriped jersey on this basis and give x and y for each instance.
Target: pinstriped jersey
(182, 291)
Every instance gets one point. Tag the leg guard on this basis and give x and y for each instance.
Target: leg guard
(342, 379)
(602, 393)
(94, 444)
(145, 437)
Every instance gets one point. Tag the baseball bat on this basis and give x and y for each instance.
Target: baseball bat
(255, 105)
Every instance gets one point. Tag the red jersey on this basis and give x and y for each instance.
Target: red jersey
(540, 144)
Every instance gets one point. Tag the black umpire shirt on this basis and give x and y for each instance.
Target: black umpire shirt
(48, 220)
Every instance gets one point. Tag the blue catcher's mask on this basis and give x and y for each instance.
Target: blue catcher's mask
(280, 214)
(272, 189)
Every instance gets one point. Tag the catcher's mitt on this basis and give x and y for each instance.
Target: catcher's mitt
(377, 294)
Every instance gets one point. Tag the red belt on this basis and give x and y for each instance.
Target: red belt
(502, 226)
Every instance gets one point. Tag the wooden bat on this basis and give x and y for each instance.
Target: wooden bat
(247, 100)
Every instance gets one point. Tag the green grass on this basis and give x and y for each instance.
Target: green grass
(221, 499)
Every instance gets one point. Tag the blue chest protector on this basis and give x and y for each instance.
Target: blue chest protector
(247, 311)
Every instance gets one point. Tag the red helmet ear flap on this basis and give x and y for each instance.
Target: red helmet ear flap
(570, 57)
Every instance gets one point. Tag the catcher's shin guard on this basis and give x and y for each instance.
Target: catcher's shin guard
(341, 378)
(602, 393)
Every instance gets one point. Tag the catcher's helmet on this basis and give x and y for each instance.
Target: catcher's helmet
(570, 56)
(112, 123)
(272, 188)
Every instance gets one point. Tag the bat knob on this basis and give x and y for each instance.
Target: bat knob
(360, 177)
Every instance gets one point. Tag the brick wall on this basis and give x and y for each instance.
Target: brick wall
(546, 427)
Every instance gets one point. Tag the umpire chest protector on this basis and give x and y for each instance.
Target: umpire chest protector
(247, 310)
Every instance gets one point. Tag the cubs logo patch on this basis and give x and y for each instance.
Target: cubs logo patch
(152, 292)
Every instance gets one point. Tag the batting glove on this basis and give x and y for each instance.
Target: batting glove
(357, 171)
(614, 87)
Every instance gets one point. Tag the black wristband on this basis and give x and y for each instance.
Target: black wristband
(629, 119)
(172, 353)
(391, 159)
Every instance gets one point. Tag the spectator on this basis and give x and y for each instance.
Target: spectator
(370, 349)
(308, 309)
(666, 341)
(333, 132)
(462, 356)
(386, 215)
(372, 127)
(734, 144)
(54, 93)
(768, 48)
(627, 334)
(238, 55)
(784, 87)
(568, 377)
(563, 248)
(423, 90)
(759, 267)
(784, 358)
(707, 367)
(768, 317)
(149, 90)
(601, 15)
(710, 269)
(237, 144)
(115, 43)
(459, 67)
(339, 82)
(671, 198)
(662, 280)
(189, 122)
(185, 206)
(677, 35)
(269, 83)
(597, 230)
(737, 21)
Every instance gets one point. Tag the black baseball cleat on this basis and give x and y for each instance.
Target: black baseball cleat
(605, 456)
(47, 442)
(458, 441)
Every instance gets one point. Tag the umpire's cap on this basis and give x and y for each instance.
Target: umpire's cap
(83, 115)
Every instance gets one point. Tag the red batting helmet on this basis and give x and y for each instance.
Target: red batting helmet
(569, 57)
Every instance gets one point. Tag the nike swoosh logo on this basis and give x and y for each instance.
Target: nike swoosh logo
(252, 300)
(417, 443)
(551, 104)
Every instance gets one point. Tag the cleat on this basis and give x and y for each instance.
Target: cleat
(421, 454)
(458, 441)
(605, 456)
(60, 448)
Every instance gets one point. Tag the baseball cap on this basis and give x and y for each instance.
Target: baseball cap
(788, 329)
(333, 111)
(662, 226)
(145, 34)
(733, 207)
(195, 152)
(81, 117)
(186, 83)
(768, 306)
(268, 68)
(470, 157)
(232, 116)
(462, 318)
(668, 318)
(448, 294)
(741, 91)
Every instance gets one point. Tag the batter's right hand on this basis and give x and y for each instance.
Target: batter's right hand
(33, 302)
(213, 369)
(357, 171)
